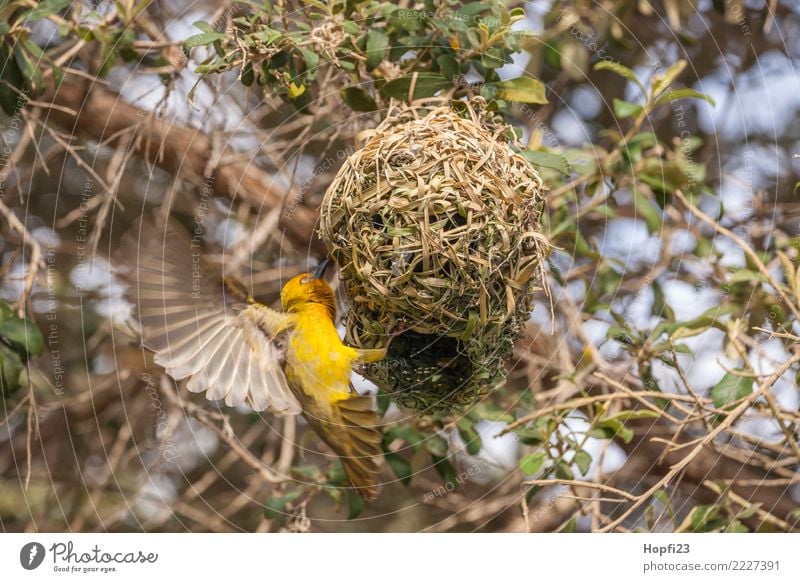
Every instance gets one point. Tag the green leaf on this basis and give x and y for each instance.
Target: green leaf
(448, 65)
(473, 8)
(10, 370)
(620, 70)
(685, 93)
(406, 433)
(426, 85)
(634, 414)
(494, 58)
(648, 211)
(355, 504)
(409, 20)
(350, 27)
(58, 76)
(10, 100)
(446, 470)
(532, 463)
(202, 39)
(662, 496)
(609, 428)
(736, 526)
(624, 109)
(491, 411)
(521, 90)
(436, 445)
(749, 511)
(383, 402)
(730, 389)
(660, 306)
(528, 435)
(662, 82)
(704, 518)
(470, 436)
(217, 66)
(707, 319)
(742, 275)
(267, 35)
(312, 62)
(24, 334)
(400, 467)
(474, 38)
(606, 211)
(203, 26)
(248, 75)
(309, 473)
(563, 471)
(30, 70)
(336, 474)
(550, 160)
(571, 526)
(358, 99)
(275, 507)
(317, 4)
(583, 461)
(377, 43)
(45, 8)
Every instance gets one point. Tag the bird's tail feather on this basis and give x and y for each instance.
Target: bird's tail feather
(364, 441)
(354, 437)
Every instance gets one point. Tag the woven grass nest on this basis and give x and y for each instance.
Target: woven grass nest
(434, 223)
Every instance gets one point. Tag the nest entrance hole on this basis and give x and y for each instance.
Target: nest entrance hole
(439, 364)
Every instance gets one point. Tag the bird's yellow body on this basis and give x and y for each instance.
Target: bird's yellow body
(317, 359)
(318, 368)
(210, 329)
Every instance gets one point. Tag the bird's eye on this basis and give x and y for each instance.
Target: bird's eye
(305, 280)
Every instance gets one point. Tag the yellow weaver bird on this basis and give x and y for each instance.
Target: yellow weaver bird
(208, 328)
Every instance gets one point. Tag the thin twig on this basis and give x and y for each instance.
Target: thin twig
(35, 262)
(224, 433)
(589, 484)
(731, 417)
(748, 250)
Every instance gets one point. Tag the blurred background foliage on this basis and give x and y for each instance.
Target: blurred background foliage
(658, 392)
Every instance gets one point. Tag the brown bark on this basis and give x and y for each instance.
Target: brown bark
(91, 111)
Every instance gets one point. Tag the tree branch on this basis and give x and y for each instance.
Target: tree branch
(91, 111)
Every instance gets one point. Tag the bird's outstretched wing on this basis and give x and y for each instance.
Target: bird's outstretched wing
(201, 324)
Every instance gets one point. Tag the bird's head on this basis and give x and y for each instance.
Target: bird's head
(307, 289)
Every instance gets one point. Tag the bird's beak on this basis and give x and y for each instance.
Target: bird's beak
(319, 272)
